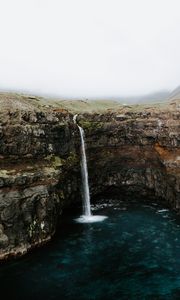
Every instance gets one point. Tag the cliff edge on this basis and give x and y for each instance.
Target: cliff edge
(133, 151)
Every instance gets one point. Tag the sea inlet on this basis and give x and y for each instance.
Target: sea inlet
(132, 254)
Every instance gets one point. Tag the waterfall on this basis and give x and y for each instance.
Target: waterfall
(84, 173)
(87, 216)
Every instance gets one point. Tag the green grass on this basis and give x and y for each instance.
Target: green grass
(15, 101)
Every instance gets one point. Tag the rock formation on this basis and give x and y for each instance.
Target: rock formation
(133, 151)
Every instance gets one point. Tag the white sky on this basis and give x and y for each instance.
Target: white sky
(89, 47)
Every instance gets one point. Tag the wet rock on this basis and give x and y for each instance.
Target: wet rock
(3, 240)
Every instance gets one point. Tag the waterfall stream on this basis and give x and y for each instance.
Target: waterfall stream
(84, 173)
(87, 216)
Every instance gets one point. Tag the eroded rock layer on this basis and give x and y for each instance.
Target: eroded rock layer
(132, 152)
(135, 152)
(39, 176)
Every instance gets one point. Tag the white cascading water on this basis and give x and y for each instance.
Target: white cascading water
(84, 172)
(87, 217)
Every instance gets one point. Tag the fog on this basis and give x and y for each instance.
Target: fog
(89, 48)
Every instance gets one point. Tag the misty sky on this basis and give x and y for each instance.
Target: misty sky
(85, 48)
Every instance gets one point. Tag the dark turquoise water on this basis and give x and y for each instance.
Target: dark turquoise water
(134, 254)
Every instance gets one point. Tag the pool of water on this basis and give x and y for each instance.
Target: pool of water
(133, 254)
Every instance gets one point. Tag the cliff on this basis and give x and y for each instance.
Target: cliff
(133, 151)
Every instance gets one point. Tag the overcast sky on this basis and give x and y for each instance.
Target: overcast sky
(85, 48)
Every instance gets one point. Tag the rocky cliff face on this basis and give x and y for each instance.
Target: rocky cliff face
(39, 176)
(133, 152)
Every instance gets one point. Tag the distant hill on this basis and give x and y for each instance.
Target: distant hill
(175, 94)
(13, 100)
(148, 98)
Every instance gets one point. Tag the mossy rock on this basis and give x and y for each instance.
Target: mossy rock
(91, 126)
(56, 161)
(72, 159)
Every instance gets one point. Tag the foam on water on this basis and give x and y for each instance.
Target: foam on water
(162, 210)
(90, 219)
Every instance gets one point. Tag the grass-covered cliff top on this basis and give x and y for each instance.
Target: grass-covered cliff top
(15, 101)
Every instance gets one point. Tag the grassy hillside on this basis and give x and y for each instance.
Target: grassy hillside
(15, 101)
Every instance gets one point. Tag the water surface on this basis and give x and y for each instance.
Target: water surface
(133, 254)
